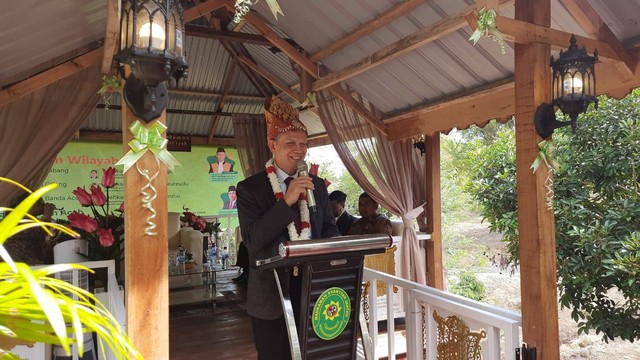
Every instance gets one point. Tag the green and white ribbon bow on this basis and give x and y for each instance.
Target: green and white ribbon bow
(148, 139)
(487, 27)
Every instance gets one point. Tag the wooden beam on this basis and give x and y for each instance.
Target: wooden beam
(401, 47)
(205, 7)
(357, 107)
(435, 270)
(272, 79)
(216, 94)
(479, 107)
(592, 24)
(111, 35)
(250, 74)
(174, 111)
(110, 136)
(461, 113)
(210, 33)
(524, 33)
(455, 99)
(318, 140)
(367, 28)
(146, 256)
(225, 89)
(397, 49)
(259, 23)
(536, 226)
(50, 76)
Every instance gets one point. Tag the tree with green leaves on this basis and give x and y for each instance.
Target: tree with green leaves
(597, 211)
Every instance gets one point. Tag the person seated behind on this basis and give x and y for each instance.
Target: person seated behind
(31, 245)
(344, 220)
(371, 222)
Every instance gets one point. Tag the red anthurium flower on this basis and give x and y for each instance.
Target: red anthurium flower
(106, 237)
(97, 196)
(121, 208)
(279, 195)
(83, 196)
(304, 225)
(108, 177)
(82, 221)
(314, 169)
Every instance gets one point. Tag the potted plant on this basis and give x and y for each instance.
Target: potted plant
(33, 307)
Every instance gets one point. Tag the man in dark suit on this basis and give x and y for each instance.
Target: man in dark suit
(343, 218)
(232, 203)
(270, 212)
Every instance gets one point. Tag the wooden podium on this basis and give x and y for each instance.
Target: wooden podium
(321, 294)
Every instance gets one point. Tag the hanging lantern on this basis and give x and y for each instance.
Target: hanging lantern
(152, 44)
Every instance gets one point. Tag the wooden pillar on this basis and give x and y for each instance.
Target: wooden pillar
(146, 257)
(435, 275)
(536, 224)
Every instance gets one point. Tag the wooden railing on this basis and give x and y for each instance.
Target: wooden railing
(416, 303)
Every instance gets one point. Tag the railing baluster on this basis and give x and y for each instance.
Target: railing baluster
(391, 326)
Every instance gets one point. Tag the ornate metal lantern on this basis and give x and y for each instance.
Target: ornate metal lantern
(574, 88)
(152, 44)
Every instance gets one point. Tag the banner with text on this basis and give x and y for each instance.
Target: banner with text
(205, 183)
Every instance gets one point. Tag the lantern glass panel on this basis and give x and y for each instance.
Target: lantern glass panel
(151, 32)
(572, 85)
(126, 31)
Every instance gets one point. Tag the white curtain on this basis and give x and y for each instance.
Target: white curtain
(35, 127)
(391, 172)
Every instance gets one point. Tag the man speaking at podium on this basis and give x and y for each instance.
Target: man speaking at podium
(272, 208)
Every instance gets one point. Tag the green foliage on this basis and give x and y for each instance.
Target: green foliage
(33, 304)
(597, 208)
(469, 286)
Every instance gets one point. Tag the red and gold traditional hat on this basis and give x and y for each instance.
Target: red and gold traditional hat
(281, 117)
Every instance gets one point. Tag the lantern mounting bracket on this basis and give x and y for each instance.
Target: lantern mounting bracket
(146, 102)
(546, 122)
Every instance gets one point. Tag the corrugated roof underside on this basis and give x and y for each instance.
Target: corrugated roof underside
(34, 32)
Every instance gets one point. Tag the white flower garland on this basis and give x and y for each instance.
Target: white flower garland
(305, 231)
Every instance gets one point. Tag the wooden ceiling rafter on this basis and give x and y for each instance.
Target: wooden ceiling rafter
(367, 28)
(260, 24)
(116, 136)
(50, 76)
(90, 58)
(212, 33)
(231, 72)
(401, 47)
(493, 102)
(522, 32)
(257, 81)
(215, 94)
(588, 18)
(111, 35)
(272, 79)
(204, 8)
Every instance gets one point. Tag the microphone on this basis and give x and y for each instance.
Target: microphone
(303, 170)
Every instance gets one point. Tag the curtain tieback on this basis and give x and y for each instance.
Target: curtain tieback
(407, 219)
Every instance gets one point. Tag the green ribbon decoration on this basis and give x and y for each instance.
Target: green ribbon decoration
(487, 27)
(148, 139)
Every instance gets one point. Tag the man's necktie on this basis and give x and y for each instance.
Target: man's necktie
(294, 207)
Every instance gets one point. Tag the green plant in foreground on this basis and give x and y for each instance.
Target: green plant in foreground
(33, 307)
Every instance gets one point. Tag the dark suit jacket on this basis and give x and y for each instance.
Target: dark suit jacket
(263, 222)
(344, 222)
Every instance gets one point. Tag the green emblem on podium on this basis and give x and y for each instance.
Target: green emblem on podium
(331, 313)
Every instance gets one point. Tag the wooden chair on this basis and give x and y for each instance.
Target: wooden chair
(455, 341)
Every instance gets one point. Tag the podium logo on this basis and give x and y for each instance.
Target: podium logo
(331, 313)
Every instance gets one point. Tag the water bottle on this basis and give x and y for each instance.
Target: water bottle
(181, 258)
(225, 258)
(213, 255)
